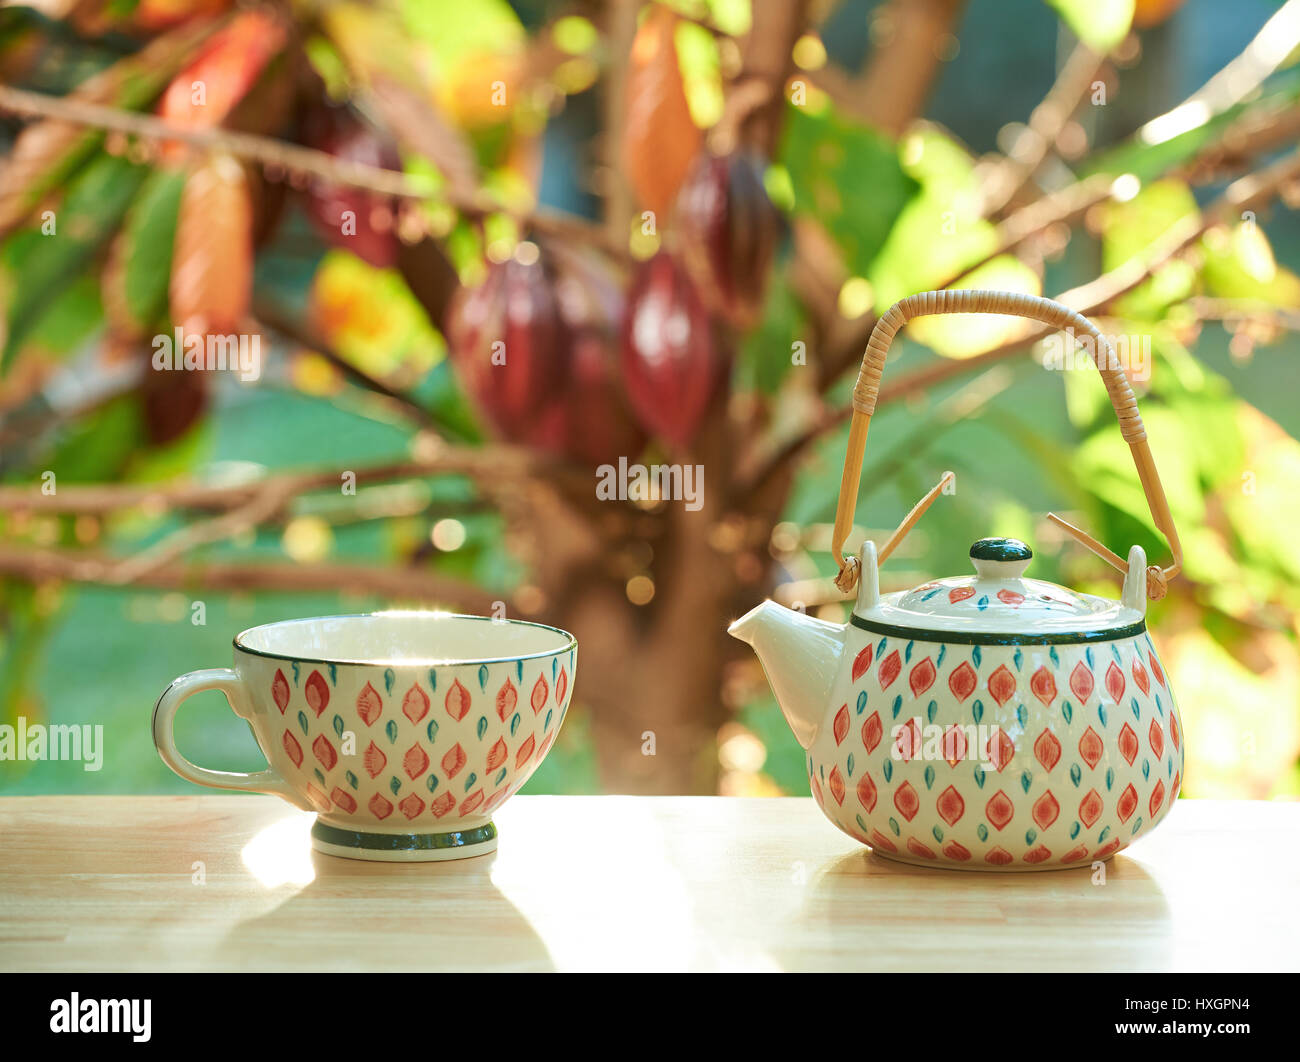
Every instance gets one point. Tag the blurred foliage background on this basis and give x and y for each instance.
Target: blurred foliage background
(804, 164)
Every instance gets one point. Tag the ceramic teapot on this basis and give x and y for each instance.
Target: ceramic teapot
(985, 721)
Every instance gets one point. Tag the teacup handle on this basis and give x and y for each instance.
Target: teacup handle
(1049, 312)
(164, 738)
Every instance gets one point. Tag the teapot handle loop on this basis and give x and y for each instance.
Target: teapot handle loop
(1055, 314)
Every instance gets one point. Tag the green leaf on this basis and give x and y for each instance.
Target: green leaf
(1241, 266)
(150, 232)
(767, 352)
(1100, 24)
(1130, 228)
(939, 232)
(847, 177)
(39, 267)
(464, 30)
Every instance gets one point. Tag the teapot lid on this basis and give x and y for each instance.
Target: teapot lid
(997, 605)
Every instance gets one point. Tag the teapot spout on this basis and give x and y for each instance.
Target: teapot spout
(800, 656)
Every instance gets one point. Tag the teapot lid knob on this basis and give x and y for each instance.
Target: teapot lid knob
(1000, 558)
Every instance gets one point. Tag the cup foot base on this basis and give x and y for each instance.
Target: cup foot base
(404, 847)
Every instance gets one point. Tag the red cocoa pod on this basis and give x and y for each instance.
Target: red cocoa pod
(350, 218)
(506, 341)
(589, 420)
(728, 231)
(670, 364)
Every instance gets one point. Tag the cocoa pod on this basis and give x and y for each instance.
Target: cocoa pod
(505, 339)
(588, 419)
(728, 231)
(352, 219)
(670, 363)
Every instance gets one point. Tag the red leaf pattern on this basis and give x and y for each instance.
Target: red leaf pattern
(457, 701)
(861, 663)
(507, 698)
(369, 705)
(280, 690)
(317, 692)
(415, 705)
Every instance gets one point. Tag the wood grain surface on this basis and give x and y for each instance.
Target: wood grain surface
(623, 883)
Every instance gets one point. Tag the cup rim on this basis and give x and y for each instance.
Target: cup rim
(572, 642)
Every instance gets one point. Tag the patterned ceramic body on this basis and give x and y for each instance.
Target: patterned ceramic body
(973, 745)
(403, 731)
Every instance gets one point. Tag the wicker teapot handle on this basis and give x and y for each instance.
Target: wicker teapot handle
(930, 303)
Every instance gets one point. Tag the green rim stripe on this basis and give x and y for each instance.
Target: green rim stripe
(402, 842)
(917, 634)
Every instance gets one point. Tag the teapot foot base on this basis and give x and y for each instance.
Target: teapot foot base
(403, 847)
(985, 868)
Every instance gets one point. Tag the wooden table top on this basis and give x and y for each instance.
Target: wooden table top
(623, 883)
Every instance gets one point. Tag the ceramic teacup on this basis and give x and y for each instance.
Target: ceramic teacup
(403, 731)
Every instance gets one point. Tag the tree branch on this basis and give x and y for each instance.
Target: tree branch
(405, 584)
(283, 157)
(1046, 124)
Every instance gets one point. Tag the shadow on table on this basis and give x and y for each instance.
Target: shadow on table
(357, 915)
(869, 912)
